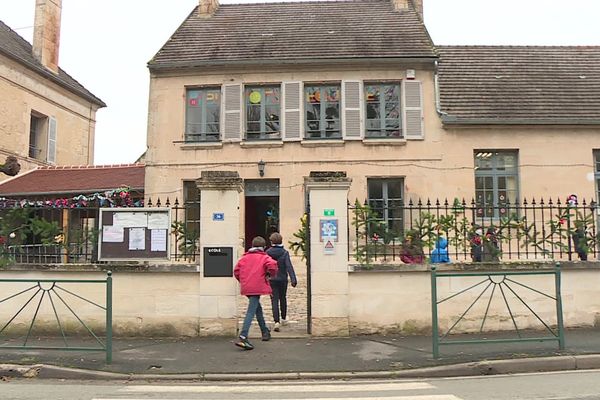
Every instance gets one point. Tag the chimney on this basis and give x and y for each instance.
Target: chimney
(207, 8)
(416, 5)
(46, 33)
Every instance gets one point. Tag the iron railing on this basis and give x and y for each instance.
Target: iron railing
(529, 230)
(504, 285)
(55, 292)
(69, 234)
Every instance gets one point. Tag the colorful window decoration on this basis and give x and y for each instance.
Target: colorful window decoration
(383, 117)
(203, 111)
(323, 111)
(263, 111)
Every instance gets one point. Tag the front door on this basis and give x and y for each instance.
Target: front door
(262, 209)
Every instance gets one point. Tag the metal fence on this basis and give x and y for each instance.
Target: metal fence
(503, 285)
(529, 230)
(53, 234)
(59, 296)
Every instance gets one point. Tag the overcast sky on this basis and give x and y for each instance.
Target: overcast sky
(105, 45)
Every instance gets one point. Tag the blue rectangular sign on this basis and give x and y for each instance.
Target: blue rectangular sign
(218, 216)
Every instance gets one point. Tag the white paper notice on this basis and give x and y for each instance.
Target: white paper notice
(137, 239)
(158, 240)
(112, 234)
(158, 221)
(130, 219)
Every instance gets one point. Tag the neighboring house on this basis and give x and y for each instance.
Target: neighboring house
(46, 116)
(358, 86)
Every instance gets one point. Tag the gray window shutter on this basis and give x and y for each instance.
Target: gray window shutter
(352, 124)
(51, 140)
(413, 109)
(232, 100)
(292, 103)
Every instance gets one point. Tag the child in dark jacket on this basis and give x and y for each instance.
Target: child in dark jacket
(279, 282)
(253, 271)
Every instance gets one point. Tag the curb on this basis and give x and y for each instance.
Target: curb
(479, 368)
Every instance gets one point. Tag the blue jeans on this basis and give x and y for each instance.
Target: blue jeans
(254, 308)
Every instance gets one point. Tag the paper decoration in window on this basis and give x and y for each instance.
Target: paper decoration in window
(255, 97)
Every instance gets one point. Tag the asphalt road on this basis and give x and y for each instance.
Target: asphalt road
(548, 386)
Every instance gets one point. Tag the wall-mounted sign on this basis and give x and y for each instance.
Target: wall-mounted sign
(328, 230)
(218, 216)
(329, 247)
(329, 212)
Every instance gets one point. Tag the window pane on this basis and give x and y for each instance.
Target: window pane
(394, 188)
(262, 112)
(375, 189)
(203, 108)
(383, 110)
(496, 182)
(322, 111)
(385, 198)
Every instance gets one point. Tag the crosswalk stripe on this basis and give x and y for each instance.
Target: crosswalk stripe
(348, 387)
(417, 397)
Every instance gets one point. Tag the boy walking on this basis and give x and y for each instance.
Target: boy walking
(279, 282)
(253, 271)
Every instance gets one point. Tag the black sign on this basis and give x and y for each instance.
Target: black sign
(218, 261)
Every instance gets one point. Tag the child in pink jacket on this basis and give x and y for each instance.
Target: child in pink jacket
(253, 271)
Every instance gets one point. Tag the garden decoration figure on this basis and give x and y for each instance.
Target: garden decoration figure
(440, 253)
(412, 250)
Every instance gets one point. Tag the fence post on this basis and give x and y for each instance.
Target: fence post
(109, 317)
(434, 316)
(559, 313)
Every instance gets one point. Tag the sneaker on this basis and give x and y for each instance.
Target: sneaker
(266, 336)
(244, 343)
(284, 322)
(276, 327)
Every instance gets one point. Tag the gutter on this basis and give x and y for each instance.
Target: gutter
(453, 120)
(302, 61)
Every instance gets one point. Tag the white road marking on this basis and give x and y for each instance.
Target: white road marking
(347, 387)
(421, 397)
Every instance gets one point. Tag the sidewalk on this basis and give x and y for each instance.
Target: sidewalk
(218, 358)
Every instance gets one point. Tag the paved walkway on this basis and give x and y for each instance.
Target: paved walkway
(214, 358)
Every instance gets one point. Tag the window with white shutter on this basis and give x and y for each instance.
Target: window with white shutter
(413, 109)
(51, 140)
(383, 110)
(233, 112)
(352, 121)
(202, 114)
(263, 110)
(322, 111)
(292, 100)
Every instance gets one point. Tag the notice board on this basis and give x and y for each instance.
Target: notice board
(132, 234)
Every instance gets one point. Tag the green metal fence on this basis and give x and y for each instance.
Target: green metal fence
(504, 283)
(56, 292)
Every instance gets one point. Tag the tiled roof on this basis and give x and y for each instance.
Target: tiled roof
(75, 180)
(520, 84)
(14, 46)
(296, 32)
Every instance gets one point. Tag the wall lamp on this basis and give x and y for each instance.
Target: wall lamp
(261, 168)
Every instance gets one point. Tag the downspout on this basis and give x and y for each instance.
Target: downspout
(436, 85)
